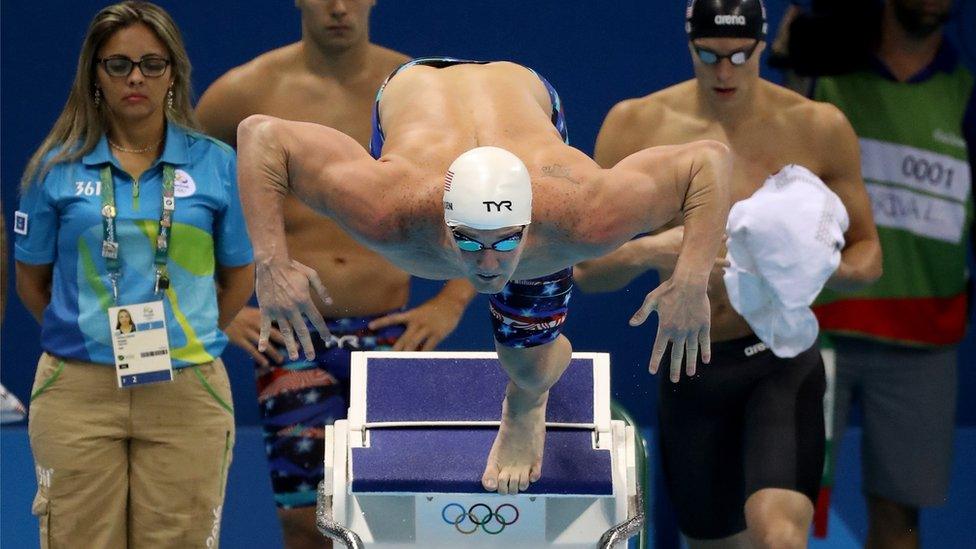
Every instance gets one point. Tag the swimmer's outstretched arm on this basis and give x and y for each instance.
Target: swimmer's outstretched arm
(652, 187)
(653, 252)
(659, 251)
(327, 170)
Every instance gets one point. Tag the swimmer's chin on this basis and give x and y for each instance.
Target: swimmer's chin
(488, 284)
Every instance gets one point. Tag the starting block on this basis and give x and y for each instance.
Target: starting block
(404, 470)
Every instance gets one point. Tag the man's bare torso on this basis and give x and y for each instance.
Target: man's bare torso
(778, 133)
(279, 84)
(432, 115)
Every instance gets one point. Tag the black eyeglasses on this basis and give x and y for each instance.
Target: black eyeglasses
(737, 58)
(150, 67)
(507, 244)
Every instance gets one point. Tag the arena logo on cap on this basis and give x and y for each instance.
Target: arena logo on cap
(730, 20)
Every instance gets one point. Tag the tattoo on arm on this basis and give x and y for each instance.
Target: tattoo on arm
(560, 172)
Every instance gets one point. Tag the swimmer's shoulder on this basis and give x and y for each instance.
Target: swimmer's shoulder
(800, 111)
(652, 113)
(263, 71)
(238, 92)
(654, 108)
(824, 133)
(621, 133)
(384, 59)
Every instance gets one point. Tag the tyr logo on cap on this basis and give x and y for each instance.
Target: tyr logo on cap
(507, 204)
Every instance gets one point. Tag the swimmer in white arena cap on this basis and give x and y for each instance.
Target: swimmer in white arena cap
(472, 178)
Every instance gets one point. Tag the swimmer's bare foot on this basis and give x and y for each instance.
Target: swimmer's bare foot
(516, 455)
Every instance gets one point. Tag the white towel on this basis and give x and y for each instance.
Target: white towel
(784, 243)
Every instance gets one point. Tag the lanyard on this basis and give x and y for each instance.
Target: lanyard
(110, 243)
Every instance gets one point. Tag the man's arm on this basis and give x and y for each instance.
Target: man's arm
(34, 287)
(628, 127)
(234, 287)
(860, 260)
(330, 172)
(651, 188)
(620, 267)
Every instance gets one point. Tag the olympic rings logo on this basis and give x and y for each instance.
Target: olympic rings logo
(480, 515)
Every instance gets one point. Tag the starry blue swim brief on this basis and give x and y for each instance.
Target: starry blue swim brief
(528, 313)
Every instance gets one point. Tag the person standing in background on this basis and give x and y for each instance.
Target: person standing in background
(124, 204)
(912, 107)
(330, 77)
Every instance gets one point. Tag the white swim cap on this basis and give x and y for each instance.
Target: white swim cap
(487, 188)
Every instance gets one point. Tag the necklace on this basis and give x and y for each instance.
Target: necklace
(147, 148)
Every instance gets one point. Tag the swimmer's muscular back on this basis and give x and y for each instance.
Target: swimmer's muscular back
(784, 128)
(438, 113)
(431, 115)
(278, 83)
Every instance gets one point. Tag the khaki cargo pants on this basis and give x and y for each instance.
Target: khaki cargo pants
(144, 467)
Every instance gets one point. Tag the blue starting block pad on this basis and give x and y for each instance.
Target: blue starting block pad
(404, 469)
(411, 403)
(458, 389)
(446, 460)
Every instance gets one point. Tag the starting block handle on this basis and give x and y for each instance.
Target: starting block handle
(328, 526)
(620, 533)
(626, 529)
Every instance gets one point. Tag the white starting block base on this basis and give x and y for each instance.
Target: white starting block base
(451, 520)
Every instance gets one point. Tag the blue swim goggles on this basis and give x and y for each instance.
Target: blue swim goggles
(468, 244)
(737, 58)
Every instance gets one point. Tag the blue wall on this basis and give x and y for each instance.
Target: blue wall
(594, 52)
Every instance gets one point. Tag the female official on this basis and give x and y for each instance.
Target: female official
(125, 205)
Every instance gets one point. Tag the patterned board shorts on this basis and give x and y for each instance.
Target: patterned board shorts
(298, 399)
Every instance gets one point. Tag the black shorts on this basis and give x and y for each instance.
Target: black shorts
(747, 421)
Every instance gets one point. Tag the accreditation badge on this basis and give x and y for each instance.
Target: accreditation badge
(140, 343)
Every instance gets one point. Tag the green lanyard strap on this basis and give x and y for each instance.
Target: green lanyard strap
(110, 243)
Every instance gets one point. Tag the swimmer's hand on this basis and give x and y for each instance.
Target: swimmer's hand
(426, 325)
(283, 295)
(683, 319)
(245, 333)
